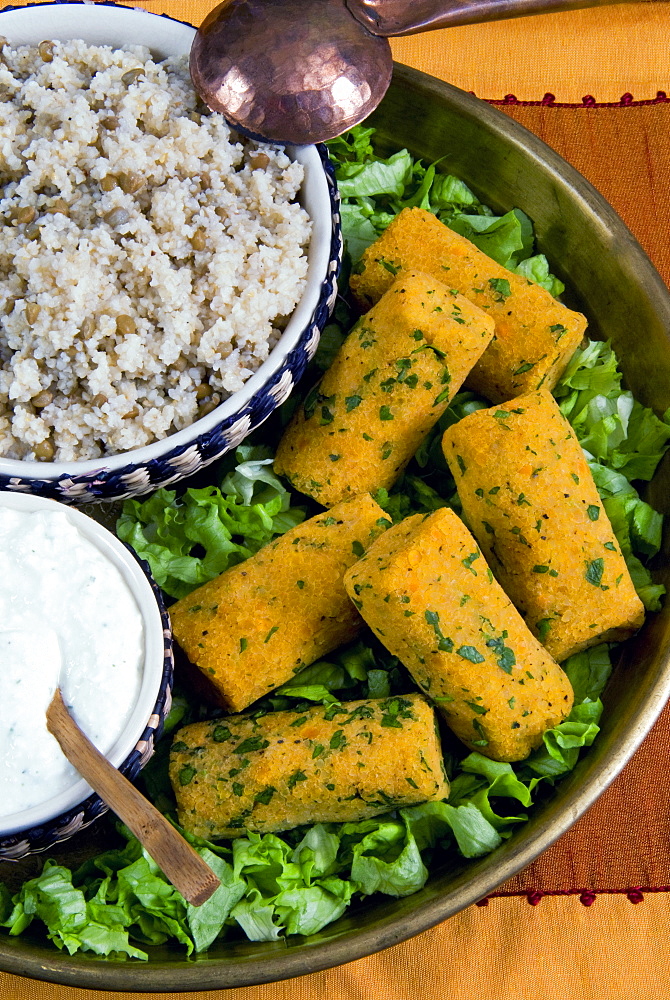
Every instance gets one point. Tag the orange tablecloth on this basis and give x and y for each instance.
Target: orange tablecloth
(618, 855)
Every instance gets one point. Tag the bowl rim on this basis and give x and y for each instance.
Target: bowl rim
(123, 560)
(397, 925)
(314, 192)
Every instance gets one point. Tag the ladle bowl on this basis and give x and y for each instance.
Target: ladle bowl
(304, 71)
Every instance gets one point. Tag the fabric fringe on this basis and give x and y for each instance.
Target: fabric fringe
(549, 101)
(587, 897)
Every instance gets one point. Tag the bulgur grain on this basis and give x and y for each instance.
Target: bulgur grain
(75, 119)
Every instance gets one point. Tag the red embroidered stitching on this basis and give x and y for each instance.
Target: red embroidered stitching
(586, 896)
(549, 100)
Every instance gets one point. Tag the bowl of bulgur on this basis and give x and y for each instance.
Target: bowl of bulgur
(163, 280)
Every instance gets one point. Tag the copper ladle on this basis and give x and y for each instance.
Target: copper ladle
(303, 71)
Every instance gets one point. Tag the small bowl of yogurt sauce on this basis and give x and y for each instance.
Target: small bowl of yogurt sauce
(77, 610)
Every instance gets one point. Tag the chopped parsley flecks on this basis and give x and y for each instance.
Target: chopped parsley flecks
(444, 643)
(186, 774)
(471, 654)
(501, 288)
(295, 778)
(505, 657)
(481, 742)
(468, 561)
(388, 265)
(594, 571)
(221, 734)
(252, 743)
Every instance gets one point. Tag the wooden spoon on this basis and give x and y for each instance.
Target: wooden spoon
(179, 862)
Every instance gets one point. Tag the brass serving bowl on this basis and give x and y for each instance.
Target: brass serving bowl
(614, 283)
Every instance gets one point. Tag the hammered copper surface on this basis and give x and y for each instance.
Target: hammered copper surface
(304, 71)
(296, 71)
(625, 299)
(393, 18)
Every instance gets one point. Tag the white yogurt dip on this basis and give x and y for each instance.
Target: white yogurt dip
(67, 617)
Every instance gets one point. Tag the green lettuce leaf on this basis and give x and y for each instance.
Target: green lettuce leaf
(71, 923)
(613, 428)
(308, 909)
(537, 269)
(375, 176)
(508, 239)
(588, 672)
(448, 191)
(622, 440)
(206, 922)
(226, 525)
(561, 745)
(388, 860)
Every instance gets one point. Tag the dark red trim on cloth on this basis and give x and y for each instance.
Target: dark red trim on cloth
(587, 897)
(549, 101)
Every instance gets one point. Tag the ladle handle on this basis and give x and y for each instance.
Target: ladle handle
(179, 862)
(392, 18)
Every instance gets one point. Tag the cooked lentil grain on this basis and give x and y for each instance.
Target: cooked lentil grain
(120, 209)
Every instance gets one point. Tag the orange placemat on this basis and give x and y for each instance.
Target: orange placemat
(618, 854)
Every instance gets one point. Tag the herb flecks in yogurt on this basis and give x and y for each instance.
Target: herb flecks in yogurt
(68, 618)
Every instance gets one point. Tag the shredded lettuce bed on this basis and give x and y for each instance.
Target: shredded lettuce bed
(118, 903)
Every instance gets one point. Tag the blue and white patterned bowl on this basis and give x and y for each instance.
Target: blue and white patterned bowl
(73, 809)
(146, 469)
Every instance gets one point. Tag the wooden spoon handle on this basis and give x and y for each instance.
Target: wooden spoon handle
(180, 863)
